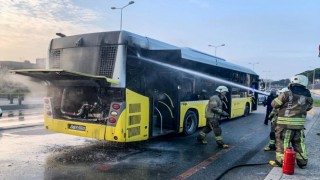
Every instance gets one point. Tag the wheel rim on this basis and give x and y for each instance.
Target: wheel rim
(247, 110)
(190, 123)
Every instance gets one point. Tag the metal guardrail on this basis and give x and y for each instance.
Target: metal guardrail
(11, 96)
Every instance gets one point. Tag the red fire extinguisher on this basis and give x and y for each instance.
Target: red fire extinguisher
(289, 161)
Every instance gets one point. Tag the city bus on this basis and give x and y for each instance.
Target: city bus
(123, 87)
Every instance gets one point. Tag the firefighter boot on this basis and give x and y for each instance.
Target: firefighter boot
(200, 138)
(271, 147)
(221, 144)
(275, 163)
(302, 166)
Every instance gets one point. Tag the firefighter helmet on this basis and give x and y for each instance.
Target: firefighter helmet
(299, 79)
(283, 90)
(222, 89)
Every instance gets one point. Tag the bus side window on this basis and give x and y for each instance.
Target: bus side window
(186, 89)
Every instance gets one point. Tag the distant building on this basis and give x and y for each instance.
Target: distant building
(23, 65)
(41, 63)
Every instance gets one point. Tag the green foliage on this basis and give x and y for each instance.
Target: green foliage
(310, 73)
(281, 83)
(316, 102)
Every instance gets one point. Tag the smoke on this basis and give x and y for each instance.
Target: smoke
(36, 88)
(15, 84)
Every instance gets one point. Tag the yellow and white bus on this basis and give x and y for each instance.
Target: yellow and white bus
(119, 86)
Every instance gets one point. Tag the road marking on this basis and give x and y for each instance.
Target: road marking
(203, 164)
(10, 135)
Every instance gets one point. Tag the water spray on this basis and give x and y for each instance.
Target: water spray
(199, 74)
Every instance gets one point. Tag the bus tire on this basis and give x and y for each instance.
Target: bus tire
(246, 110)
(190, 123)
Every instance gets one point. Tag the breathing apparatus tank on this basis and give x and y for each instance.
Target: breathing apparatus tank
(289, 161)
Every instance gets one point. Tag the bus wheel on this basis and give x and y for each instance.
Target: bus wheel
(190, 123)
(246, 110)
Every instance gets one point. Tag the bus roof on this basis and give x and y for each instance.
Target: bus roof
(135, 40)
(194, 55)
(186, 53)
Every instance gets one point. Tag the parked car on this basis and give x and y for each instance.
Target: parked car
(261, 98)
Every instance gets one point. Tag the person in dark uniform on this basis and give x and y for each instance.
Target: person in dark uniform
(274, 116)
(267, 103)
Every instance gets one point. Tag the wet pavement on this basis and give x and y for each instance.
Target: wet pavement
(35, 153)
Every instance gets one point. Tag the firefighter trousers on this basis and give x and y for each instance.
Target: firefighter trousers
(296, 137)
(211, 125)
(272, 135)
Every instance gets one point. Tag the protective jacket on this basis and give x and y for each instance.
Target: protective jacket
(293, 106)
(214, 107)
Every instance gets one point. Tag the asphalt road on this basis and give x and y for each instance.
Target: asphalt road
(35, 153)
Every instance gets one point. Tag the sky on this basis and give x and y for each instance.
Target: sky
(277, 39)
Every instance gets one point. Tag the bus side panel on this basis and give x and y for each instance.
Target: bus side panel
(238, 105)
(199, 106)
(137, 119)
(75, 128)
(117, 133)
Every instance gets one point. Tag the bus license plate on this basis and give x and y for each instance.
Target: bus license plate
(76, 127)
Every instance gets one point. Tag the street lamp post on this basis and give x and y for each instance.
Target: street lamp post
(266, 79)
(131, 2)
(253, 63)
(314, 73)
(215, 48)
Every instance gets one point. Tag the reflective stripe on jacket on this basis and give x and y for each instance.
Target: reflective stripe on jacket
(292, 113)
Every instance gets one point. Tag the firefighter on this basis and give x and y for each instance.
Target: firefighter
(273, 117)
(293, 106)
(214, 112)
(267, 102)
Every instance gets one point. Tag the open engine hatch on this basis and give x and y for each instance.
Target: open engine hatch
(60, 76)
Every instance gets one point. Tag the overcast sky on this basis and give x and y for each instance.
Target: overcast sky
(278, 38)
